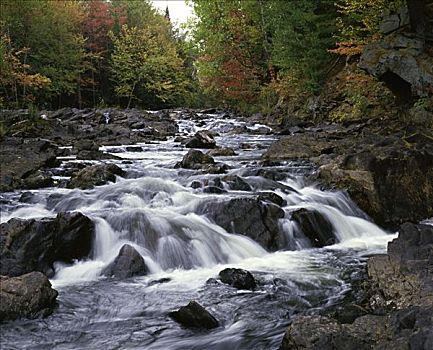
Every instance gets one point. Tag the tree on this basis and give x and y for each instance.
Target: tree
(51, 30)
(145, 66)
(232, 62)
(16, 83)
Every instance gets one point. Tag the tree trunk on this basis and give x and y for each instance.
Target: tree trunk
(131, 95)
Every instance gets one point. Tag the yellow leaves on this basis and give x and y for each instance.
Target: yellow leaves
(347, 48)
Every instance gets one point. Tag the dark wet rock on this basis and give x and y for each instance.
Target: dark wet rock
(218, 168)
(238, 278)
(95, 175)
(410, 328)
(37, 181)
(272, 197)
(315, 227)
(23, 158)
(195, 159)
(128, 263)
(202, 139)
(222, 152)
(159, 281)
(248, 216)
(236, 183)
(213, 190)
(196, 184)
(34, 245)
(404, 276)
(28, 296)
(194, 315)
(134, 149)
(29, 197)
(391, 184)
(86, 145)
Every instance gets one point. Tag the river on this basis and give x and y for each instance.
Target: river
(155, 211)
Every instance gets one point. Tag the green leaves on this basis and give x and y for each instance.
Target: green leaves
(145, 61)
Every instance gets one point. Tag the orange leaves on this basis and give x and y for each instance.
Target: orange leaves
(347, 48)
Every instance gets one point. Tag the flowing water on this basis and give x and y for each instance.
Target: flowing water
(155, 210)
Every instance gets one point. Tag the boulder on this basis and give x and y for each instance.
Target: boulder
(37, 181)
(202, 139)
(404, 276)
(315, 227)
(392, 184)
(195, 159)
(194, 315)
(236, 183)
(272, 197)
(128, 263)
(238, 278)
(410, 328)
(29, 296)
(34, 245)
(222, 152)
(247, 216)
(95, 175)
(23, 158)
(399, 59)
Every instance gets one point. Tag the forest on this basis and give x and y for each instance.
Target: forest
(251, 56)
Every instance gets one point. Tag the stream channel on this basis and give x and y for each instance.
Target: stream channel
(156, 210)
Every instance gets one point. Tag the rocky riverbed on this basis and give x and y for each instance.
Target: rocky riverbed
(146, 220)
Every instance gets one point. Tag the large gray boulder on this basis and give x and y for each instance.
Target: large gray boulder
(202, 139)
(34, 245)
(128, 263)
(29, 295)
(400, 59)
(248, 216)
(315, 226)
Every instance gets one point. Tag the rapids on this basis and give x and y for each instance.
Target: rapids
(154, 210)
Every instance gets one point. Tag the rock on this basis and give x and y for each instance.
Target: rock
(400, 57)
(29, 296)
(202, 139)
(238, 278)
(195, 159)
(222, 152)
(194, 315)
(23, 158)
(247, 216)
(134, 149)
(37, 181)
(29, 197)
(319, 332)
(410, 328)
(214, 190)
(86, 145)
(159, 281)
(392, 22)
(217, 168)
(315, 227)
(95, 175)
(34, 245)
(404, 276)
(391, 184)
(128, 263)
(236, 183)
(272, 197)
